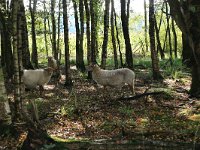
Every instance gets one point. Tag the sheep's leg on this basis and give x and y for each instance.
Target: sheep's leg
(132, 88)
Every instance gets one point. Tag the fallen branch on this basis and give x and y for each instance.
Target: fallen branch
(140, 95)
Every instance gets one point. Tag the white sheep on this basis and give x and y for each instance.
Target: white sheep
(32, 78)
(113, 78)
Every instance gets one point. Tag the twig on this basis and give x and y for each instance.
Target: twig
(140, 95)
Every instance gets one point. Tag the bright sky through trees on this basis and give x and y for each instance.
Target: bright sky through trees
(135, 5)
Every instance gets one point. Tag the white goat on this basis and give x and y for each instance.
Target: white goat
(40, 77)
(113, 78)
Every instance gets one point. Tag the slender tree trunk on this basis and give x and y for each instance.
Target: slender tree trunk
(20, 48)
(169, 33)
(158, 40)
(54, 48)
(79, 39)
(45, 28)
(93, 32)
(34, 43)
(113, 34)
(26, 60)
(87, 11)
(118, 40)
(175, 39)
(125, 27)
(58, 39)
(17, 94)
(77, 32)
(145, 25)
(49, 27)
(68, 80)
(81, 12)
(154, 57)
(105, 39)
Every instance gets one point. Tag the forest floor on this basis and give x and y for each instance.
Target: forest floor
(89, 112)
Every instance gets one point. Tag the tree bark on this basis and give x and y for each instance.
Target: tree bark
(93, 32)
(6, 49)
(154, 57)
(54, 48)
(175, 39)
(68, 80)
(87, 11)
(26, 60)
(169, 33)
(186, 51)
(58, 28)
(81, 12)
(125, 28)
(118, 40)
(5, 113)
(113, 34)
(159, 47)
(34, 56)
(189, 23)
(145, 25)
(45, 28)
(17, 94)
(105, 39)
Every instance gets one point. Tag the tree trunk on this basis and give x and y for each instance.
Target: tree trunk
(5, 113)
(45, 28)
(105, 39)
(25, 43)
(169, 33)
(68, 80)
(93, 32)
(34, 56)
(162, 55)
(186, 51)
(125, 27)
(87, 11)
(118, 40)
(145, 25)
(81, 50)
(189, 23)
(17, 94)
(20, 48)
(58, 39)
(77, 33)
(175, 39)
(79, 39)
(54, 48)
(6, 49)
(154, 57)
(113, 34)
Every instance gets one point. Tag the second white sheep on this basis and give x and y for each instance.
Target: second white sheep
(113, 78)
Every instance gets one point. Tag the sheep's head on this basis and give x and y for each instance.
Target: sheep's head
(91, 67)
(48, 70)
(52, 62)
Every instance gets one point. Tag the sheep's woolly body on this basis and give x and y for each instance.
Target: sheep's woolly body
(32, 78)
(115, 78)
